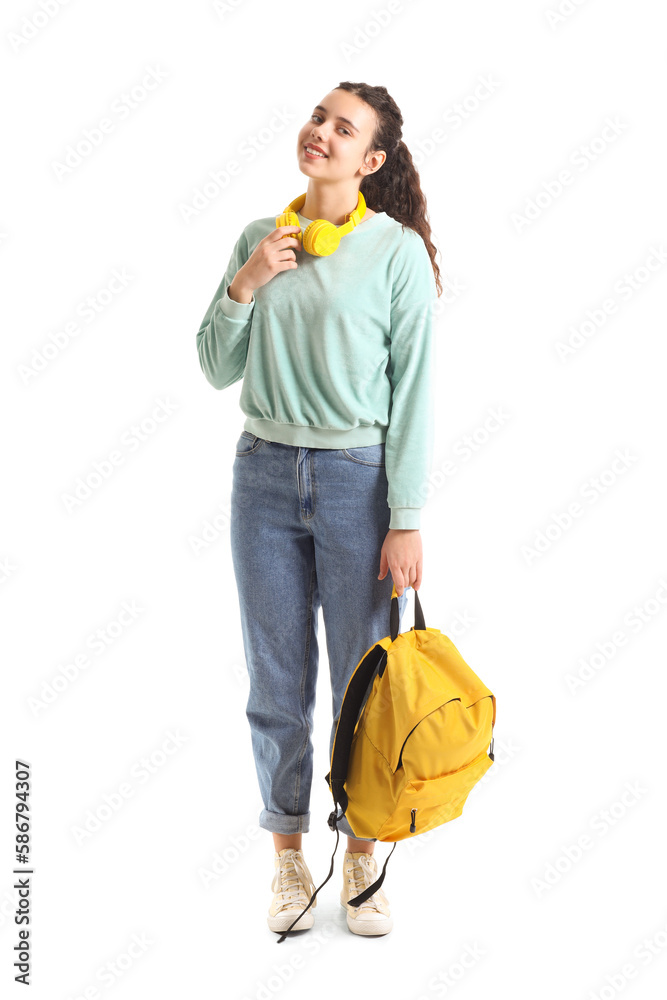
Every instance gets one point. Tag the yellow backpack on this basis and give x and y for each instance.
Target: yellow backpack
(407, 753)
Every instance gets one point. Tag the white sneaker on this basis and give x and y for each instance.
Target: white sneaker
(372, 917)
(293, 888)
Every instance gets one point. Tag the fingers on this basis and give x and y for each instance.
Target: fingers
(402, 553)
(418, 575)
(407, 576)
(285, 234)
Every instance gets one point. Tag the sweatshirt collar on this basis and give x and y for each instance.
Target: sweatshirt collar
(369, 222)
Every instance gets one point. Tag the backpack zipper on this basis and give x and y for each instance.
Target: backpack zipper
(413, 828)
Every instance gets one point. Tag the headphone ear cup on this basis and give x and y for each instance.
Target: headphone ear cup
(307, 238)
(289, 219)
(321, 238)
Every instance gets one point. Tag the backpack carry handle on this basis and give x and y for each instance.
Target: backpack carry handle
(419, 614)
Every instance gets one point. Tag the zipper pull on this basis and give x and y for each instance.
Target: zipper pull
(413, 828)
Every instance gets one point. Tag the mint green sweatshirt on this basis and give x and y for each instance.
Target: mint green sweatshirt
(337, 352)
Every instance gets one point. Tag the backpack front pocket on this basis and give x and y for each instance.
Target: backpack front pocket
(451, 732)
(425, 803)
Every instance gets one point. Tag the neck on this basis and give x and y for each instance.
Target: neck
(331, 203)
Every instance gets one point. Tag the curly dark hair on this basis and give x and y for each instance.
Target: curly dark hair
(394, 188)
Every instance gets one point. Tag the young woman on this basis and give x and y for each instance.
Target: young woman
(335, 352)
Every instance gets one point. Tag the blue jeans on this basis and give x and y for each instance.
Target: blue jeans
(307, 527)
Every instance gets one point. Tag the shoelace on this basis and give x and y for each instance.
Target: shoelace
(364, 874)
(291, 878)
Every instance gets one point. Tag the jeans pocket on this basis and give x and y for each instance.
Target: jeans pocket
(371, 454)
(248, 444)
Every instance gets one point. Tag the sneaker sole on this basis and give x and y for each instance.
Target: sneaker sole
(283, 920)
(367, 928)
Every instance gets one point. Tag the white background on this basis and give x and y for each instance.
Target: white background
(504, 884)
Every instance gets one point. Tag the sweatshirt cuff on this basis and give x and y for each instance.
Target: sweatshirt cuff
(233, 309)
(405, 517)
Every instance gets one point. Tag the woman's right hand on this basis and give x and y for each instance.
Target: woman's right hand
(273, 254)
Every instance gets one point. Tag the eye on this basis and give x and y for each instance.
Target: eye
(315, 115)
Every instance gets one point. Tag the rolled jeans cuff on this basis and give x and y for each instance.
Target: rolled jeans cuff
(284, 823)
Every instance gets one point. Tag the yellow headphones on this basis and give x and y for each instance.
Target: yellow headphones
(320, 237)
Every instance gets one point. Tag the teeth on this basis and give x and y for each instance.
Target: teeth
(314, 151)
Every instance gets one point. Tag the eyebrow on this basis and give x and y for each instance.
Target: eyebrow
(319, 107)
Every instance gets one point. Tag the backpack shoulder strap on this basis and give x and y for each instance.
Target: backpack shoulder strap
(349, 713)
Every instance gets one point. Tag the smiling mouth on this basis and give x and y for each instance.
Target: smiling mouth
(314, 152)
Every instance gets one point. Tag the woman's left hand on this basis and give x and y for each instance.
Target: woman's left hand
(402, 555)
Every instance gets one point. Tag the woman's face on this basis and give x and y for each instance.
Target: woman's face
(341, 125)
